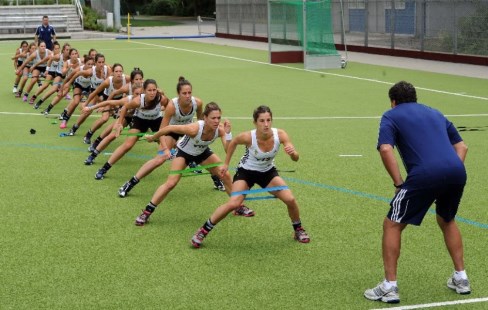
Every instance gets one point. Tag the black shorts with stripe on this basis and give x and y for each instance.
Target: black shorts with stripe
(409, 206)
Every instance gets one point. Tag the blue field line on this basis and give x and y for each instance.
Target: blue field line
(64, 148)
(374, 197)
(259, 190)
(314, 184)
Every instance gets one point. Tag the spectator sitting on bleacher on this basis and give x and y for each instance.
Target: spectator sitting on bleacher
(46, 33)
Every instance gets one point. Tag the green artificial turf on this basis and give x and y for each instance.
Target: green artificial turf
(69, 242)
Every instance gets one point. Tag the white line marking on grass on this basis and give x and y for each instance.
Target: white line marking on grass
(438, 304)
(350, 155)
(300, 69)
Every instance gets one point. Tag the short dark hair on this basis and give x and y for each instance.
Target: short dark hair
(45, 16)
(402, 92)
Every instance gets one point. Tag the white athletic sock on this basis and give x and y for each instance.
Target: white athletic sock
(388, 284)
(460, 275)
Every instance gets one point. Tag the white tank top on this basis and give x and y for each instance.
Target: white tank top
(21, 58)
(95, 80)
(54, 67)
(181, 119)
(257, 160)
(148, 114)
(39, 58)
(196, 146)
(60, 64)
(84, 82)
(70, 69)
(32, 62)
(107, 91)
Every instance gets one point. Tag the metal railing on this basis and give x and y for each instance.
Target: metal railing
(79, 10)
(26, 23)
(38, 2)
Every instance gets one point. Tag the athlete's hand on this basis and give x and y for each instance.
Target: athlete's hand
(150, 138)
(227, 126)
(223, 170)
(289, 149)
(118, 129)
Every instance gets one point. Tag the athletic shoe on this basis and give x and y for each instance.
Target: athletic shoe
(197, 239)
(32, 100)
(18, 95)
(24, 98)
(125, 189)
(91, 148)
(61, 116)
(68, 97)
(37, 105)
(243, 211)
(90, 160)
(15, 90)
(86, 140)
(390, 296)
(301, 236)
(45, 112)
(460, 286)
(63, 124)
(193, 165)
(100, 174)
(218, 184)
(143, 218)
(71, 132)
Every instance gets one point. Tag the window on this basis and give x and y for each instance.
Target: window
(357, 4)
(399, 4)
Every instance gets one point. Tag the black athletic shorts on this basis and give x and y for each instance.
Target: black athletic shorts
(255, 177)
(144, 124)
(196, 159)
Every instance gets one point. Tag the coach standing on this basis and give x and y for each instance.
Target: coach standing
(46, 33)
(433, 153)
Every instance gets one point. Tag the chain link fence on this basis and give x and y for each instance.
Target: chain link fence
(445, 26)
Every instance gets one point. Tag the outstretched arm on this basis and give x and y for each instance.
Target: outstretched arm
(189, 130)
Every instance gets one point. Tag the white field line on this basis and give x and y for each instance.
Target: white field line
(438, 304)
(299, 69)
(297, 118)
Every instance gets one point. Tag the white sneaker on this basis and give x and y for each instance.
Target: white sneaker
(460, 286)
(15, 90)
(390, 296)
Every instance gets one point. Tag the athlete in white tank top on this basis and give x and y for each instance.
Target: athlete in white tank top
(257, 160)
(195, 146)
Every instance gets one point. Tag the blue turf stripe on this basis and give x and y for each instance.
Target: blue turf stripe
(375, 197)
(260, 198)
(294, 180)
(259, 190)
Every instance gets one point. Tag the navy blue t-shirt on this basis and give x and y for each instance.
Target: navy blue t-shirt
(46, 34)
(424, 139)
